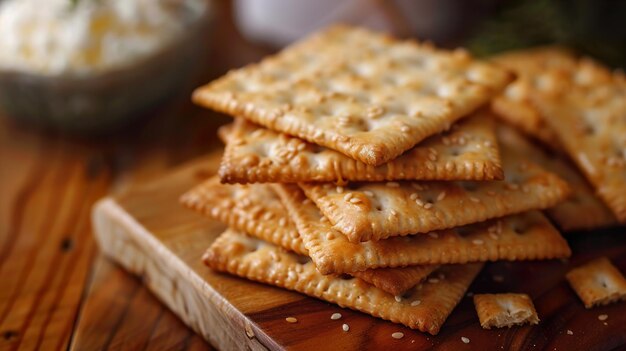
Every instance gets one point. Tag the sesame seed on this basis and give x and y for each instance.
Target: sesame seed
(404, 129)
(474, 199)
(415, 303)
(339, 189)
(282, 222)
(345, 327)
(368, 193)
(393, 184)
(393, 212)
(355, 200)
(493, 236)
(397, 335)
(432, 157)
(419, 202)
(433, 280)
(306, 202)
(347, 197)
(398, 298)
(478, 242)
(413, 196)
(301, 147)
(428, 205)
(335, 316)
(291, 320)
(441, 196)
(569, 332)
(324, 219)
(465, 340)
(433, 235)
(603, 317)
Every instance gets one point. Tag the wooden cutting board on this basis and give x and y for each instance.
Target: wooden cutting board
(151, 235)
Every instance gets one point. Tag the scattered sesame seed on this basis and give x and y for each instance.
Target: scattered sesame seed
(393, 184)
(345, 327)
(397, 335)
(474, 199)
(433, 235)
(282, 221)
(493, 236)
(368, 193)
(442, 195)
(433, 280)
(301, 147)
(347, 197)
(428, 205)
(393, 212)
(291, 320)
(415, 303)
(339, 189)
(413, 196)
(398, 298)
(432, 157)
(419, 202)
(335, 316)
(569, 332)
(355, 200)
(603, 317)
(405, 129)
(477, 242)
(465, 340)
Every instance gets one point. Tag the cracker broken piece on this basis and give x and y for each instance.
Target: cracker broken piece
(362, 93)
(468, 151)
(526, 236)
(504, 310)
(514, 105)
(375, 211)
(582, 210)
(587, 104)
(260, 261)
(598, 283)
(257, 211)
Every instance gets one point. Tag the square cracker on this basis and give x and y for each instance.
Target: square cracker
(257, 260)
(361, 93)
(582, 210)
(514, 104)
(256, 210)
(527, 236)
(587, 105)
(375, 211)
(469, 151)
(598, 282)
(504, 310)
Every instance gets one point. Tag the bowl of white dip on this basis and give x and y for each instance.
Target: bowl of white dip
(92, 65)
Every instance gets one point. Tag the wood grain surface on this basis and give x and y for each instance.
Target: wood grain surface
(150, 234)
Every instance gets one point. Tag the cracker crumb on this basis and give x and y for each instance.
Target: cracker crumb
(474, 199)
(397, 335)
(339, 189)
(335, 316)
(291, 320)
(569, 332)
(345, 327)
(415, 303)
(465, 340)
(603, 317)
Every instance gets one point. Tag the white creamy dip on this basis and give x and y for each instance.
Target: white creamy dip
(81, 37)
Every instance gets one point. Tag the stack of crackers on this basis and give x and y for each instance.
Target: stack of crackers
(369, 172)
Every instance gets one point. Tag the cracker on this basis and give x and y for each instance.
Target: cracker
(505, 310)
(396, 281)
(514, 105)
(598, 282)
(586, 105)
(582, 210)
(257, 260)
(375, 211)
(361, 93)
(224, 132)
(527, 236)
(469, 151)
(255, 210)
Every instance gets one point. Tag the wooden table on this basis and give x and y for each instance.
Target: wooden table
(56, 289)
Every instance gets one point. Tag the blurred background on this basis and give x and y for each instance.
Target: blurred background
(95, 97)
